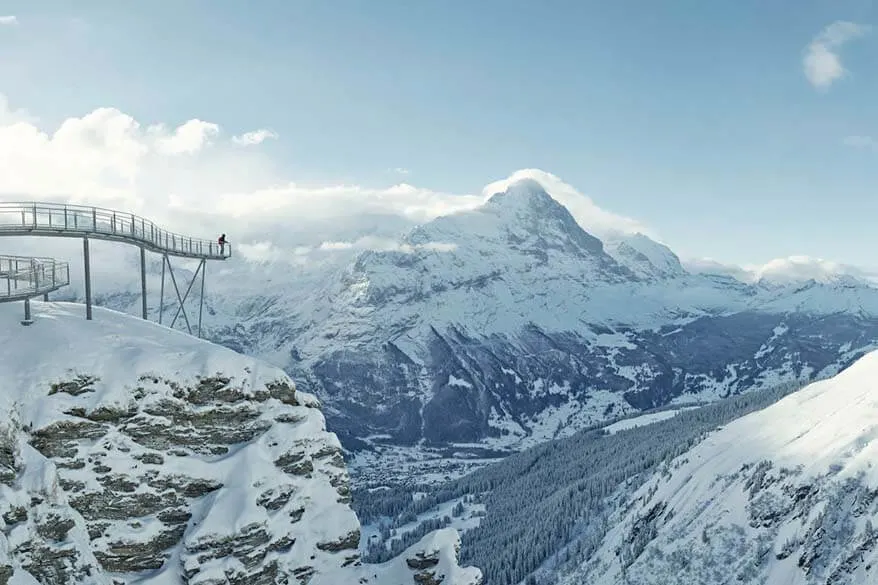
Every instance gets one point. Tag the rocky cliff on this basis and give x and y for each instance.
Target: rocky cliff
(131, 453)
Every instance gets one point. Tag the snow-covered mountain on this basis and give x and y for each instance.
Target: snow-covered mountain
(501, 326)
(133, 453)
(507, 324)
(783, 495)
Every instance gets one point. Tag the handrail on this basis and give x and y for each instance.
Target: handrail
(38, 218)
(23, 277)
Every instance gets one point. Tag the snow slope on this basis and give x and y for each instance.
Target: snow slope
(785, 496)
(131, 451)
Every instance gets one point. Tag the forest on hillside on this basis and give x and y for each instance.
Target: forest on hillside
(549, 505)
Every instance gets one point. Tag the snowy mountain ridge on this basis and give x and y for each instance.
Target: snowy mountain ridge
(131, 451)
(789, 489)
(504, 325)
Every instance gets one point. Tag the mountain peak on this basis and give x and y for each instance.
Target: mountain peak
(524, 194)
(644, 256)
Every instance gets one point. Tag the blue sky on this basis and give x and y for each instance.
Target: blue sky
(694, 117)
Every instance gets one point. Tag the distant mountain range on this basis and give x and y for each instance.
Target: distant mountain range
(504, 325)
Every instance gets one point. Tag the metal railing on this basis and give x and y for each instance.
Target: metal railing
(23, 277)
(20, 218)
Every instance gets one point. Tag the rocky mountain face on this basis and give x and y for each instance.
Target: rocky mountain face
(130, 453)
(784, 495)
(509, 324)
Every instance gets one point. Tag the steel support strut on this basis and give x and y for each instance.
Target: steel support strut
(181, 298)
(162, 293)
(143, 280)
(87, 278)
(201, 299)
(27, 317)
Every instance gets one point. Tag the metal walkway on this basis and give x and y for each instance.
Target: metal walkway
(24, 277)
(97, 223)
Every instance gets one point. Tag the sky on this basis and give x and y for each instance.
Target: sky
(739, 131)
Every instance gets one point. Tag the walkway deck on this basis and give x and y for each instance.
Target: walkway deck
(78, 221)
(26, 277)
(23, 277)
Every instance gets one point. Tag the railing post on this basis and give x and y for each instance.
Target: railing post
(35, 215)
(94, 219)
(65, 216)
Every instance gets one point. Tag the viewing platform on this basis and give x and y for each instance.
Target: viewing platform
(22, 278)
(97, 223)
(25, 277)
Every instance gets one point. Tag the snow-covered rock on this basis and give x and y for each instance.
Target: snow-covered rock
(644, 256)
(133, 453)
(784, 495)
(501, 326)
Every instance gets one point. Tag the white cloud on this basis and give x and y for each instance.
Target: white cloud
(386, 245)
(9, 116)
(822, 63)
(711, 266)
(186, 139)
(783, 271)
(401, 171)
(8, 20)
(804, 268)
(168, 174)
(592, 218)
(254, 137)
(319, 202)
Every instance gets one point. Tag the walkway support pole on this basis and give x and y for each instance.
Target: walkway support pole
(201, 302)
(143, 280)
(162, 293)
(27, 318)
(87, 278)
